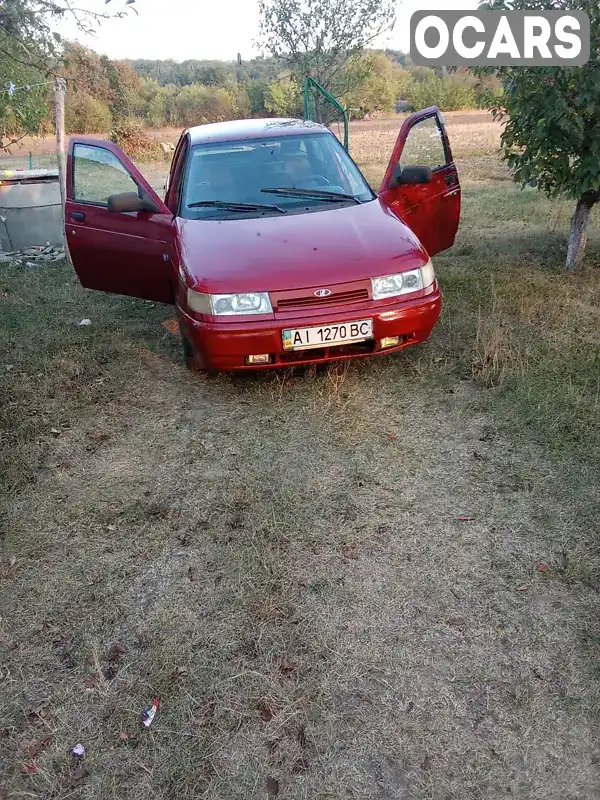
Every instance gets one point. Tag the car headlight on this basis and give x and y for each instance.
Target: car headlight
(222, 305)
(403, 282)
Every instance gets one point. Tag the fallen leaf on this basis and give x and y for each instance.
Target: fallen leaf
(543, 567)
(463, 518)
(55, 431)
(123, 736)
(349, 552)
(111, 528)
(458, 622)
(392, 436)
(426, 763)
(34, 749)
(523, 588)
(30, 768)
(272, 786)
(171, 325)
(12, 561)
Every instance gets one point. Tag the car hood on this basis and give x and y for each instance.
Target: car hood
(277, 253)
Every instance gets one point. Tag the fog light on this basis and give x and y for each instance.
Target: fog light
(389, 341)
(265, 358)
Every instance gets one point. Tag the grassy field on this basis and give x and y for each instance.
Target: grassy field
(375, 580)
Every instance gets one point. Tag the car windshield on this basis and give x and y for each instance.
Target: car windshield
(256, 177)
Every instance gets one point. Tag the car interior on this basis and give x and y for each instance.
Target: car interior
(238, 173)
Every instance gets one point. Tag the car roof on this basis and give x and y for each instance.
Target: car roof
(252, 129)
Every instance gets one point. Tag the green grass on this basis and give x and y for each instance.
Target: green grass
(520, 324)
(282, 557)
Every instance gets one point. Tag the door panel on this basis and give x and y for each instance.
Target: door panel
(432, 210)
(125, 253)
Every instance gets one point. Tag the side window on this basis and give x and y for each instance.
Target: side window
(424, 146)
(176, 177)
(98, 173)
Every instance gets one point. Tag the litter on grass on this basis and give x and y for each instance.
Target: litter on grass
(149, 713)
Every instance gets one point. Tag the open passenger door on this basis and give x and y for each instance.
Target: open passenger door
(126, 252)
(431, 210)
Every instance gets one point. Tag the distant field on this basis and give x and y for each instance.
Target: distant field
(373, 580)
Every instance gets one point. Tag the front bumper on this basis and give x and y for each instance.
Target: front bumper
(224, 346)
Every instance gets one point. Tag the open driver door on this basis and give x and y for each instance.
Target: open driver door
(431, 210)
(123, 247)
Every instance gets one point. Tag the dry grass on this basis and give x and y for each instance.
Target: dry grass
(377, 580)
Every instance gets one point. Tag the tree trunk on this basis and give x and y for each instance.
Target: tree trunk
(579, 224)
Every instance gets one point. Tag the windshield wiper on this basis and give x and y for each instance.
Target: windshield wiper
(236, 206)
(313, 194)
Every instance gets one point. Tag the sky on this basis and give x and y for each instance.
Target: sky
(211, 29)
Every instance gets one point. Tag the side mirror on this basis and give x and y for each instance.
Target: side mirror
(405, 176)
(130, 201)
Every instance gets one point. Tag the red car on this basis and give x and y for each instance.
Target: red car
(270, 242)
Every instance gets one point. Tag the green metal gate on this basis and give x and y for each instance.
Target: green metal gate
(321, 106)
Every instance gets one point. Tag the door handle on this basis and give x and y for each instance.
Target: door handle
(450, 180)
(77, 216)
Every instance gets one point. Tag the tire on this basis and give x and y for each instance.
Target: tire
(188, 352)
(191, 358)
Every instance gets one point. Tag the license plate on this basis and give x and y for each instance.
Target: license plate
(327, 335)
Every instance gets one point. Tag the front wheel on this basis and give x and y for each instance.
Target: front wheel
(192, 361)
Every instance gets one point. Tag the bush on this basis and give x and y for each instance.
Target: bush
(85, 114)
(256, 97)
(241, 102)
(490, 98)
(283, 99)
(197, 104)
(156, 110)
(373, 83)
(449, 94)
(131, 137)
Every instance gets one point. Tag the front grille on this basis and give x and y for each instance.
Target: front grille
(310, 301)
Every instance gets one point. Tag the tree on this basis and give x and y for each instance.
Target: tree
(283, 99)
(378, 91)
(317, 37)
(31, 50)
(552, 130)
(198, 104)
(449, 93)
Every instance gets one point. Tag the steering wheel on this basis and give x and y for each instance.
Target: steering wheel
(314, 180)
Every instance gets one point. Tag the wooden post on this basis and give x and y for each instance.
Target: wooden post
(60, 88)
